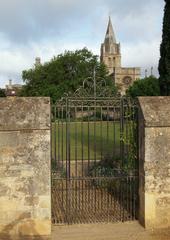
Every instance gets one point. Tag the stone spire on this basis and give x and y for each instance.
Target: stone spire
(110, 50)
(110, 35)
(111, 57)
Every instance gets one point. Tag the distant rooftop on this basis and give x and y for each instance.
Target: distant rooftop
(12, 89)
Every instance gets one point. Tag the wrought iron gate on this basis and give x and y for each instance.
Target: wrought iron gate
(94, 160)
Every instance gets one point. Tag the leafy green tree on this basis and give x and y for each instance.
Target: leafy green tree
(63, 74)
(164, 63)
(148, 86)
(2, 93)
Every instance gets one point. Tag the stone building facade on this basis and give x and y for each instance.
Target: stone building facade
(12, 89)
(111, 57)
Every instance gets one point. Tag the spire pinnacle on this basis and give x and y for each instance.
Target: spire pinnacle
(110, 33)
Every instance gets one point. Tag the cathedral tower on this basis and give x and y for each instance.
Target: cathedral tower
(110, 50)
(111, 57)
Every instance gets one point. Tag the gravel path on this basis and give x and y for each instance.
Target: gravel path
(115, 231)
(86, 203)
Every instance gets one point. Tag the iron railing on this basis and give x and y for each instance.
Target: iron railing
(94, 160)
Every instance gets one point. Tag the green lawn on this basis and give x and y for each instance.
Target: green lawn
(88, 140)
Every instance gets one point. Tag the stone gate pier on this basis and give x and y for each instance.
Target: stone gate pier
(25, 191)
(154, 162)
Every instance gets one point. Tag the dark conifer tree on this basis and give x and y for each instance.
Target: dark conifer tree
(164, 63)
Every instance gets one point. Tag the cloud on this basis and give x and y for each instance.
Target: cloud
(46, 28)
(15, 59)
(143, 54)
(24, 20)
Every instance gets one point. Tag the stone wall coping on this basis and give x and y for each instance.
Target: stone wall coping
(155, 110)
(24, 113)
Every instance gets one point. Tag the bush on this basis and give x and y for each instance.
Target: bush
(144, 87)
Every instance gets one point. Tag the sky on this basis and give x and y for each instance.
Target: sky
(46, 28)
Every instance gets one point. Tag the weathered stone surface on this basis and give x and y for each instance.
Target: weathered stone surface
(156, 111)
(24, 113)
(154, 162)
(25, 185)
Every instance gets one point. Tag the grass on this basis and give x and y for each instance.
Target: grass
(88, 140)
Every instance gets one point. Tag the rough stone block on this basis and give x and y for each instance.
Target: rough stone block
(24, 113)
(25, 180)
(154, 166)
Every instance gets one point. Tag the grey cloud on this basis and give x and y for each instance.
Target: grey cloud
(25, 20)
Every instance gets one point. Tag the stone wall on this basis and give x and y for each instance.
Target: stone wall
(25, 191)
(154, 161)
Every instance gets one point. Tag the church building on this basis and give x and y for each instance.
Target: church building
(111, 57)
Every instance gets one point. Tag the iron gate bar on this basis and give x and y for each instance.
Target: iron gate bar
(94, 179)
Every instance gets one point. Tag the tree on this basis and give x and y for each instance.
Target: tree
(2, 93)
(164, 63)
(64, 73)
(148, 86)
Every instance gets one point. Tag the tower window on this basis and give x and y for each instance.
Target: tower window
(114, 61)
